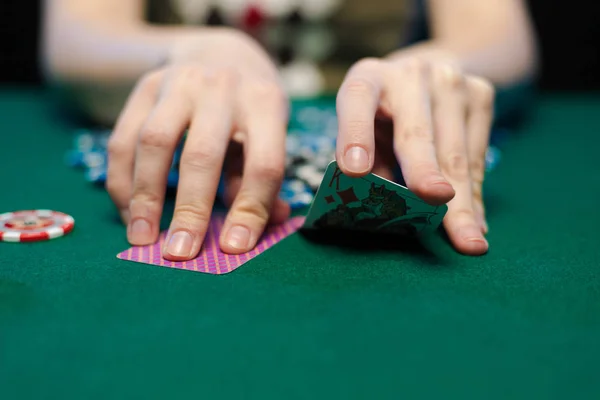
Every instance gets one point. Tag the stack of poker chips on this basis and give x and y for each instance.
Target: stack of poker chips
(89, 152)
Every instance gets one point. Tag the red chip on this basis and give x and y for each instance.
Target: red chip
(34, 225)
(253, 18)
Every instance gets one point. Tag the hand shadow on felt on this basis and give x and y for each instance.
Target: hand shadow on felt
(365, 242)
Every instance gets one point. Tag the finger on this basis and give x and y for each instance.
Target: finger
(357, 102)
(122, 143)
(263, 110)
(157, 142)
(278, 214)
(480, 103)
(450, 134)
(407, 89)
(200, 167)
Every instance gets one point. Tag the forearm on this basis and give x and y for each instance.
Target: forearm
(76, 52)
(95, 60)
(95, 70)
(493, 39)
(502, 62)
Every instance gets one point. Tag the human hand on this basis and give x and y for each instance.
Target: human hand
(225, 90)
(435, 121)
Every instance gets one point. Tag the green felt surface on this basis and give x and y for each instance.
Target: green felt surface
(308, 320)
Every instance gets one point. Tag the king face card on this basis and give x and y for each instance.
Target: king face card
(370, 203)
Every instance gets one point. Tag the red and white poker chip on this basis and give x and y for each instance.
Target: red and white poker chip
(34, 225)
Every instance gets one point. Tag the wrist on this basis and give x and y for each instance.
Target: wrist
(223, 47)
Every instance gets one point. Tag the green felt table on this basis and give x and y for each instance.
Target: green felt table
(307, 320)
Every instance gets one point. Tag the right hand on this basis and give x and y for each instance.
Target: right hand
(223, 87)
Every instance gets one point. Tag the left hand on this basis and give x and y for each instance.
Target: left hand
(435, 121)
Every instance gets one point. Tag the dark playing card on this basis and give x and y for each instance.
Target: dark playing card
(370, 203)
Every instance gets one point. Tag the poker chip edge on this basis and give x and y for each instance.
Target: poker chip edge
(67, 224)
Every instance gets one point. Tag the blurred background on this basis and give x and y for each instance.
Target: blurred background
(569, 35)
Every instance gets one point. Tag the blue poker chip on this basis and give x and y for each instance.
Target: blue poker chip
(293, 191)
(89, 148)
(320, 118)
(296, 193)
(98, 175)
(84, 140)
(89, 159)
(90, 152)
(87, 140)
(172, 179)
(95, 159)
(492, 158)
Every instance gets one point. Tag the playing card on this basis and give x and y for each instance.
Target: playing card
(211, 259)
(370, 203)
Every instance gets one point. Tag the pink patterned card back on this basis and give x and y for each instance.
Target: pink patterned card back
(211, 260)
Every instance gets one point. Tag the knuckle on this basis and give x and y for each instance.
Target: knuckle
(462, 213)
(477, 190)
(359, 87)
(144, 193)
(145, 204)
(155, 137)
(267, 91)
(187, 74)
(150, 80)
(477, 177)
(456, 165)
(271, 170)
(249, 205)
(482, 92)
(115, 186)
(223, 77)
(192, 215)
(421, 132)
(477, 168)
(115, 146)
(204, 158)
(449, 77)
(415, 65)
(478, 205)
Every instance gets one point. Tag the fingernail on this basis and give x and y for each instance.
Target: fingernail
(238, 237)
(438, 179)
(180, 244)
(140, 230)
(471, 233)
(356, 159)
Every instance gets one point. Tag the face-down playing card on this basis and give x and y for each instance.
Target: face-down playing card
(370, 203)
(211, 259)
